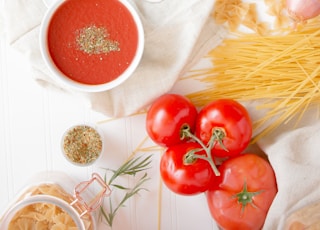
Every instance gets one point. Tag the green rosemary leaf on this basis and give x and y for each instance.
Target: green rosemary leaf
(105, 216)
(120, 187)
(131, 168)
(133, 192)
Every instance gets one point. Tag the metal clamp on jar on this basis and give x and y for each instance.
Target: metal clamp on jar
(47, 203)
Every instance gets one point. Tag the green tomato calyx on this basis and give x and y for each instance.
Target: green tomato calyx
(185, 131)
(218, 134)
(191, 157)
(245, 197)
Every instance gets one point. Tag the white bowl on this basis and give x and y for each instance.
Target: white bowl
(72, 142)
(66, 81)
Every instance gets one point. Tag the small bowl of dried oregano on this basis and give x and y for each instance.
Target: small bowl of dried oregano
(82, 144)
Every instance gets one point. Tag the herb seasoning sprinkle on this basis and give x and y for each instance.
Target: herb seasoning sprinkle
(94, 40)
(82, 144)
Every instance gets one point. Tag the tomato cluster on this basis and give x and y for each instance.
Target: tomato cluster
(240, 191)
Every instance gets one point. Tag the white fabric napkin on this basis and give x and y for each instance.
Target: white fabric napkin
(294, 155)
(177, 34)
(293, 150)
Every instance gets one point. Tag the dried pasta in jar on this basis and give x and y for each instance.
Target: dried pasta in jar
(42, 216)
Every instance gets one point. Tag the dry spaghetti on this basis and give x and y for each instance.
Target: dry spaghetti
(284, 71)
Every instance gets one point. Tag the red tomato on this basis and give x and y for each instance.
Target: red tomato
(242, 195)
(229, 118)
(168, 116)
(182, 178)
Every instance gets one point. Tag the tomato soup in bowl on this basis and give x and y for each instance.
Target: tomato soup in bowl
(91, 45)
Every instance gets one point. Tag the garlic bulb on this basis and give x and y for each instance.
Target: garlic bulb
(302, 10)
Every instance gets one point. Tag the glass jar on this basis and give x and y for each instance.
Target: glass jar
(53, 201)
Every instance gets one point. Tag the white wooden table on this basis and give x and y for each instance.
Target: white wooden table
(32, 120)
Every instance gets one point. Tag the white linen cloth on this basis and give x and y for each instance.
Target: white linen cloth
(177, 34)
(294, 155)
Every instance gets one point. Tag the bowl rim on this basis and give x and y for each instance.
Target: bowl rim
(59, 77)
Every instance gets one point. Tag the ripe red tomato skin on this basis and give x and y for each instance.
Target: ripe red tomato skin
(167, 115)
(184, 179)
(258, 174)
(233, 118)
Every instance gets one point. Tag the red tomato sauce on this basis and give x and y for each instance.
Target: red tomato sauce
(92, 68)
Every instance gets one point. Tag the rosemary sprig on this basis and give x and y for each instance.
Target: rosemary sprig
(131, 168)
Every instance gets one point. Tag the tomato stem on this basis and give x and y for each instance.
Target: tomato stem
(193, 155)
(210, 160)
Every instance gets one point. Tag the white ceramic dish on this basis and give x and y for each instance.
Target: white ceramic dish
(67, 82)
(83, 129)
(50, 2)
